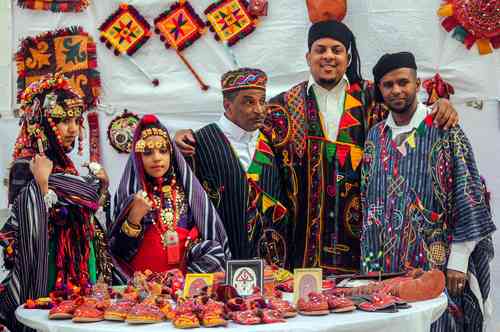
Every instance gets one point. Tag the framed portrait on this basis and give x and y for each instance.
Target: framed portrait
(306, 281)
(245, 275)
(195, 282)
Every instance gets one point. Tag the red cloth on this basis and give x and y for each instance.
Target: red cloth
(153, 256)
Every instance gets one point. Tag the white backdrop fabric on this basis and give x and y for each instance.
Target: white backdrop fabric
(278, 47)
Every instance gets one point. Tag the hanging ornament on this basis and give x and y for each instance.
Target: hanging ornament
(55, 5)
(258, 8)
(121, 131)
(437, 88)
(231, 22)
(473, 22)
(70, 51)
(94, 137)
(179, 27)
(323, 10)
(126, 31)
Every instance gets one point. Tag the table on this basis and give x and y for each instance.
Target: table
(416, 319)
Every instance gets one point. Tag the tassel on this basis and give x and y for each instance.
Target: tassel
(450, 23)
(446, 10)
(203, 86)
(459, 34)
(495, 42)
(469, 41)
(94, 139)
(80, 141)
(484, 46)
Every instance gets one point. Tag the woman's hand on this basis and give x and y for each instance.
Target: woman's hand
(140, 207)
(41, 168)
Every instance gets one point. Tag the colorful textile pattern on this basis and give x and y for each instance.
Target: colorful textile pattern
(55, 5)
(473, 21)
(243, 78)
(271, 244)
(421, 197)
(230, 20)
(94, 137)
(322, 177)
(70, 51)
(437, 88)
(180, 26)
(125, 30)
(121, 131)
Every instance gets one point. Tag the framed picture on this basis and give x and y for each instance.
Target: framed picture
(306, 281)
(195, 282)
(245, 275)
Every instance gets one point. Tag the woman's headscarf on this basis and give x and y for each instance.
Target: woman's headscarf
(211, 253)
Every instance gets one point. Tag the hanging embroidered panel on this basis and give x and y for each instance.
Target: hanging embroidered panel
(71, 51)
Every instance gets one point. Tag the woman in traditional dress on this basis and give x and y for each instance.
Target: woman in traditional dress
(163, 217)
(50, 234)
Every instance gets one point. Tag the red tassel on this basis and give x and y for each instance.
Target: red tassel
(469, 40)
(429, 119)
(450, 23)
(94, 141)
(149, 119)
(495, 42)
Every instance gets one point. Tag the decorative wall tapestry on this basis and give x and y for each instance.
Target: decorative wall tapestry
(121, 131)
(437, 88)
(473, 21)
(179, 27)
(70, 51)
(321, 10)
(231, 21)
(125, 32)
(55, 5)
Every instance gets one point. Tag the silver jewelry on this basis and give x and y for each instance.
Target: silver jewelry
(50, 198)
(95, 167)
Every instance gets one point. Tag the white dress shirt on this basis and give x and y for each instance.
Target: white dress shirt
(330, 104)
(415, 121)
(243, 142)
(459, 252)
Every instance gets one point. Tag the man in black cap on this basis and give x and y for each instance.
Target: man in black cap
(423, 198)
(318, 129)
(321, 153)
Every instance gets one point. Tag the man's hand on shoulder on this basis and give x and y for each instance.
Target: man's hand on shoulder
(445, 115)
(185, 141)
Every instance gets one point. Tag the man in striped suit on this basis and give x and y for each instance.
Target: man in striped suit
(423, 200)
(236, 166)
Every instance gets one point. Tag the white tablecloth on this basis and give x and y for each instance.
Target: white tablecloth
(416, 319)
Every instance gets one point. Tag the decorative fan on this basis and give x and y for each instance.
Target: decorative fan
(231, 21)
(125, 31)
(473, 21)
(179, 27)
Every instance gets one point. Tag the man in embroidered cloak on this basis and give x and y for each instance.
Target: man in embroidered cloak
(318, 134)
(317, 130)
(236, 166)
(423, 200)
